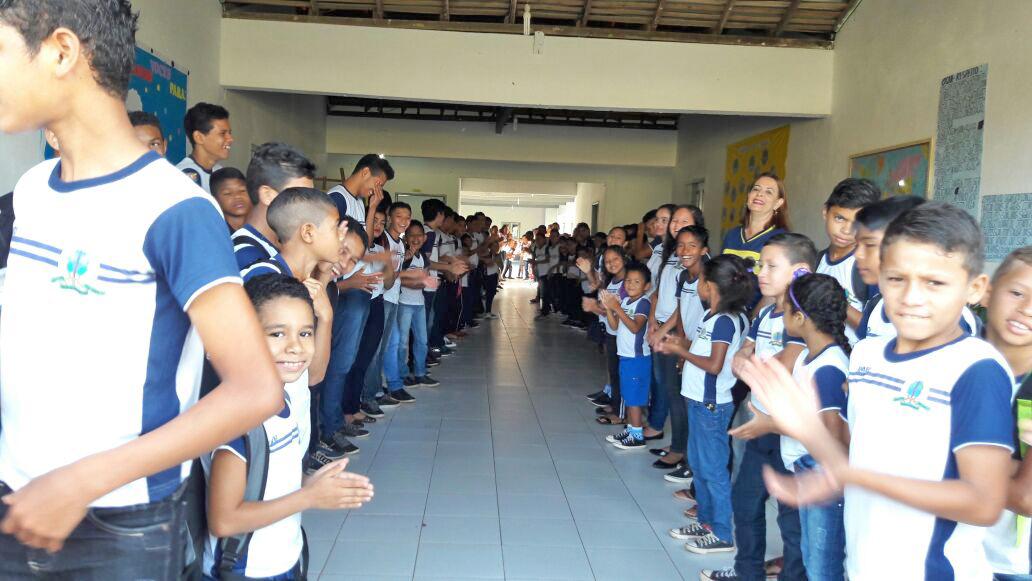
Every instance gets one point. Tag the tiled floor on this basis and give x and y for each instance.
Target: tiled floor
(501, 473)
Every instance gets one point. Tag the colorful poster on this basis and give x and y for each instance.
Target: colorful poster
(901, 170)
(1005, 224)
(158, 87)
(958, 142)
(747, 159)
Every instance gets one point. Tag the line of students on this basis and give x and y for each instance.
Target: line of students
(913, 401)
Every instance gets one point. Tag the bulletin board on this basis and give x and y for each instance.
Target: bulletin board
(747, 159)
(958, 142)
(1005, 224)
(900, 170)
(156, 86)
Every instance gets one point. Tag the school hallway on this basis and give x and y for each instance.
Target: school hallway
(502, 473)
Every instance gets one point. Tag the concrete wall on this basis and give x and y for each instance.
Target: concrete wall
(889, 61)
(502, 69)
(534, 143)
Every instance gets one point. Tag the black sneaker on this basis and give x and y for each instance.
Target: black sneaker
(327, 452)
(658, 436)
(654, 451)
(403, 396)
(708, 544)
(433, 362)
(602, 401)
(351, 431)
(409, 382)
(387, 401)
(427, 381)
(446, 351)
(340, 446)
(597, 394)
(614, 438)
(692, 531)
(728, 574)
(660, 464)
(630, 443)
(681, 475)
(371, 409)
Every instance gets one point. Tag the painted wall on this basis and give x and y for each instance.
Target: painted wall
(889, 61)
(627, 189)
(540, 143)
(589, 194)
(503, 69)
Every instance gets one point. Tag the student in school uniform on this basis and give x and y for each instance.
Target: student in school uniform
(211, 138)
(159, 285)
(615, 263)
(148, 130)
(871, 222)
(838, 260)
(276, 548)
(597, 276)
(630, 316)
(410, 332)
(783, 257)
(706, 384)
(1009, 329)
(273, 167)
(929, 410)
(229, 188)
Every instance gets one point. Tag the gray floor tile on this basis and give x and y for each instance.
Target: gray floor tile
(451, 561)
(533, 506)
(622, 564)
(540, 532)
(461, 530)
(546, 562)
(482, 505)
(364, 559)
(323, 525)
(381, 528)
(398, 503)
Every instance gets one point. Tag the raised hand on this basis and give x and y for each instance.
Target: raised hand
(333, 488)
(759, 425)
(793, 407)
(811, 487)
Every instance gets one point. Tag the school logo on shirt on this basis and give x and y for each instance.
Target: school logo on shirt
(192, 174)
(76, 273)
(777, 339)
(910, 400)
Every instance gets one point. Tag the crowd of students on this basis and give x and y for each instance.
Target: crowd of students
(883, 376)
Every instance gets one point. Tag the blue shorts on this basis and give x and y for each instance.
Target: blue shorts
(635, 378)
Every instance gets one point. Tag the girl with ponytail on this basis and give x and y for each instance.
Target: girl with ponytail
(815, 310)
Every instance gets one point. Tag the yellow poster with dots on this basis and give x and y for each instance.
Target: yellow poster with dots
(746, 160)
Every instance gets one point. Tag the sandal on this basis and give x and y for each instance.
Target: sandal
(773, 567)
(608, 420)
(603, 411)
(684, 494)
(692, 512)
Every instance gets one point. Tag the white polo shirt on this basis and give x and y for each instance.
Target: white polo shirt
(908, 416)
(689, 303)
(97, 346)
(874, 322)
(198, 174)
(397, 247)
(826, 371)
(630, 344)
(842, 271)
(701, 386)
(667, 290)
(768, 333)
(413, 296)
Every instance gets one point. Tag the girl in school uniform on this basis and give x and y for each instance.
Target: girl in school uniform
(615, 264)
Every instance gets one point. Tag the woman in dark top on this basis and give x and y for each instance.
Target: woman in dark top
(766, 215)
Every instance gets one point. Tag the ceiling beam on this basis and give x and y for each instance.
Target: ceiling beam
(445, 11)
(313, 10)
(790, 13)
(585, 15)
(378, 11)
(846, 14)
(724, 15)
(567, 31)
(660, 5)
(511, 17)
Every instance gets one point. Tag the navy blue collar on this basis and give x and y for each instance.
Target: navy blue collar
(893, 357)
(59, 185)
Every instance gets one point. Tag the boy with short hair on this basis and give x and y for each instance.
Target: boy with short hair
(837, 260)
(273, 167)
(229, 188)
(167, 269)
(275, 547)
(147, 127)
(929, 412)
(211, 137)
(630, 316)
(371, 174)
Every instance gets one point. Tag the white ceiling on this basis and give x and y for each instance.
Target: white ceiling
(527, 200)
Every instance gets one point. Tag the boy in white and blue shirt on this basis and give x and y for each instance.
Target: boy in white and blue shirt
(630, 317)
(929, 411)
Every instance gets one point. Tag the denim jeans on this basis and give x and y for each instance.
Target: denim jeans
(469, 299)
(144, 541)
(708, 451)
(375, 374)
(668, 398)
(823, 540)
(367, 346)
(749, 497)
(613, 364)
(349, 317)
(411, 318)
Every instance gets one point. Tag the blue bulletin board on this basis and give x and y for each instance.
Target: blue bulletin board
(158, 87)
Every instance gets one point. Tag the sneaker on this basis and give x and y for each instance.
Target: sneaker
(446, 351)
(387, 401)
(427, 381)
(630, 443)
(449, 344)
(614, 438)
(328, 452)
(692, 512)
(708, 544)
(351, 431)
(664, 465)
(602, 401)
(728, 574)
(403, 396)
(339, 446)
(371, 409)
(595, 395)
(681, 475)
(492, 316)
(408, 382)
(692, 531)
(432, 362)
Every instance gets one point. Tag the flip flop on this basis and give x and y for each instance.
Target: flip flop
(608, 421)
(684, 494)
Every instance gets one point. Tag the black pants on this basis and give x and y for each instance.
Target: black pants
(490, 290)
